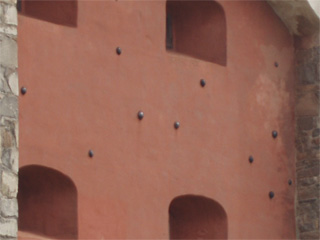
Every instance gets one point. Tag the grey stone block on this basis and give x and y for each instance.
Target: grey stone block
(316, 132)
(9, 207)
(310, 235)
(9, 30)
(9, 106)
(8, 227)
(307, 102)
(10, 15)
(308, 74)
(305, 123)
(8, 52)
(9, 158)
(13, 83)
(9, 186)
(308, 171)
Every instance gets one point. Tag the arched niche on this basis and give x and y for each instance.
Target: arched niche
(47, 203)
(62, 12)
(197, 217)
(197, 29)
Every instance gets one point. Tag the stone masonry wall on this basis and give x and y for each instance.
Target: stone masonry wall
(9, 91)
(307, 141)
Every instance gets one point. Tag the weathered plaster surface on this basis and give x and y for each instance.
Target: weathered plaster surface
(302, 20)
(8, 120)
(300, 17)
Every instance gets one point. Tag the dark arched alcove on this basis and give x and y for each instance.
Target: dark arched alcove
(47, 203)
(197, 217)
(63, 12)
(197, 29)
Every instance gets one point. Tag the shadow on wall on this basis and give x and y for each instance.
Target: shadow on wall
(47, 203)
(197, 29)
(197, 217)
(63, 12)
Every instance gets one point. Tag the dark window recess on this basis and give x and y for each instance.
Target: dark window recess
(197, 29)
(47, 203)
(19, 5)
(62, 12)
(197, 217)
(169, 33)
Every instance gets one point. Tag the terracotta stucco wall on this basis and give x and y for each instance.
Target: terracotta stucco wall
(81, 95)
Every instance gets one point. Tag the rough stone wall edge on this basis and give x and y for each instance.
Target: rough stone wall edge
(9, 152)
(301, 17)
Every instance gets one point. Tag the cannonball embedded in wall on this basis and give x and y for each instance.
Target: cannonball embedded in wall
(90, 153)
(274, 134)
(176, 125)
(118, 50)
(290, 182)
(276, 64)
(271, 195)
(202, 82)
(23, 90)
(140, 115)
(251, 159)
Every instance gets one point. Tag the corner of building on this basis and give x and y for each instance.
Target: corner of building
(8, 120)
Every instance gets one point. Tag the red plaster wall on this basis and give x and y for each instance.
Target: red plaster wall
(81, 95)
